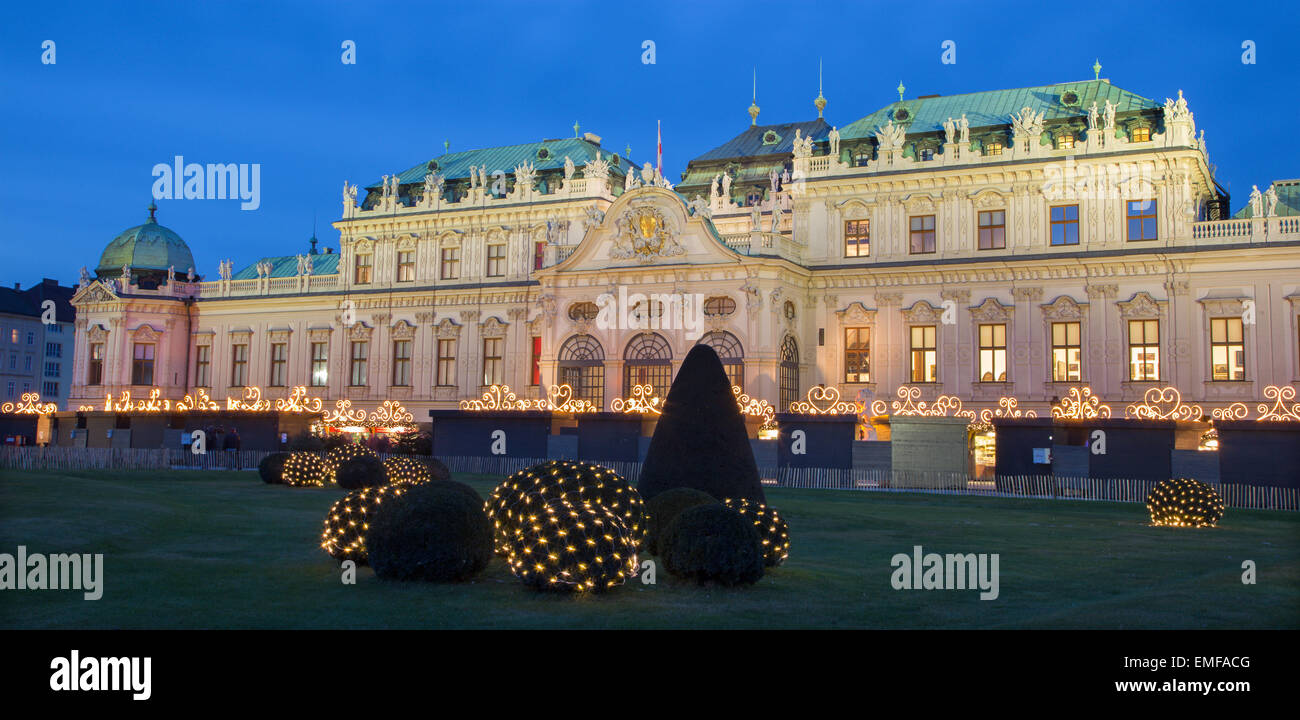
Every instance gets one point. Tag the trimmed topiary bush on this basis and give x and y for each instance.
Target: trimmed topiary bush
(1184, 502)
(713, 543)
(663, 508)
(572, 547)
(434, 532)
(338, 455)
(402, 469)
(360, 472)
(272, 468)
(348, 522)
(773, 531)
(526, 493)
(700, 440)
(304, 469)
(437, 470)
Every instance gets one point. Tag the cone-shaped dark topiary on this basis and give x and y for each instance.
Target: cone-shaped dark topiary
(700, 441)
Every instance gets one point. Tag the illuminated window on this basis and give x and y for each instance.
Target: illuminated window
(993, 353)
(446, 362)
(1065, 141)
(360, 364)
(1141, 134)
(536, 364)
(1141, 220)
(789, 373)
(95, 368)
(993, 229)
(857, 238)
(1144, 350)
(405, 266)
(319, 364)
(362, 266)
(401, 363)
(1065, 225)
(857, 355)
(279, 361)
(648, 360)
(993, 148)
(450, 263)
(581, 366)
(493, 361)
(1227, 349)
(922, 234)
(1067, 352)
(924, 357)
(496, 260)
(239, 365)
(142, 364)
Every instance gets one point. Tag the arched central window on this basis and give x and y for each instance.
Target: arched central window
(648, 361)
(582, 367)
(730, 353)
(789, 373)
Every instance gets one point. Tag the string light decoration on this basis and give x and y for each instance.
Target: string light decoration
(348, 522)
(1280, 411)
(1235, 411)
(773, 531)
(304, 469)
(522, 497)
(754, 407)
(299, 402)
(1008, 407)
(1080, 404)
(403, 470)
(199, 400)
(1184, 502)
(823, 400)
(643, 401)
(251, 401)
(29, 404)
(910, 404)
(559, 398)
(341, 454)
(1164, 403)
(573, 547)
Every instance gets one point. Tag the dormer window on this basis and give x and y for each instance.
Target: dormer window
(993, 147)
(861, 158)
(1065, 141)
(1141, 134)
(771, 138)
(754, 198)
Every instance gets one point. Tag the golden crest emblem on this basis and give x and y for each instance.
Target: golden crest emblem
(648, 224)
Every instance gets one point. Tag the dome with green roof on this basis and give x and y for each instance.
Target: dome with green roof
(148, 249)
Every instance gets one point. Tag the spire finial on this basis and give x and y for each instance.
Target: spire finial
(627, 151)
(900, 89)
(153, 208)
(753, 105)
(820, 102)
(1096, 69)
(576, 126)
(446, 145)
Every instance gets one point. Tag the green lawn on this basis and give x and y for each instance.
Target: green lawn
(217, 550)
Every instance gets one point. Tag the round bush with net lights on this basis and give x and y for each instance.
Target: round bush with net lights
(339, 455)
(713, 543)
(348, 522)
(572, 547)
(304, 469)
(663, 508)
(1184, 502)
(524, 495)
(773, 531)
(436, 532)
(406, 470)
(271, 468)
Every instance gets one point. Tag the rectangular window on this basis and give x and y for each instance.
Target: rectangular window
(496, 260)
(857, 238)
(1067, 352)
(11, 389)
(142, 364)
(279, 364)
(13, 337)
(1141, 220)
(926, 154)
(539, 254)
(857, 355)
(993, 229)
(27, 364)
(1065, 141)
(95, 366)
(405, 266)
(1227, 349)
(1144, 350)
(52, 369)
(50, 389)
(362, 267)
(360, 363)
(1065, 225)
(993, 353)
(203, 366)
(922, 234)
(537, 362)
(54, 350)
(924, 358)
(446, 363)
(450, 263)
(320, 364)
(993, 148)
(493, 364)
(401, 363)
(239, 365)
(1141, 134)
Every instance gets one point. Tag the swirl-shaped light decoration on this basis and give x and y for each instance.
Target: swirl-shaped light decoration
(1080, 404)
(643, 401)
(299, 402)
(251, 402)
(823, 400)
(29, 403)
(1008, 407)
(1164, 403)
(1280, 411)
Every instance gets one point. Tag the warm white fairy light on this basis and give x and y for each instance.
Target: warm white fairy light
(304, 469)
(773, 531)
(575, 547)
(1184, 502)
(347, 525)
(518, 500)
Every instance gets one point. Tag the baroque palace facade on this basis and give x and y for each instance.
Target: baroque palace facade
(1005, 244)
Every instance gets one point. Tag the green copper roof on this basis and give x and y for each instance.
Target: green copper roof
(995, 107)
(456, 165)
(1288, 200)
(145, 247)
(287, 266)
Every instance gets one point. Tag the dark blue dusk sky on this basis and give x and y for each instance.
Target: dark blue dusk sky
(137, 83)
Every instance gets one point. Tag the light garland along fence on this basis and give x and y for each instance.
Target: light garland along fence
(1035, 486)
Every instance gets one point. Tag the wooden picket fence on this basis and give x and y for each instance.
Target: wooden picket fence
(1028, 486)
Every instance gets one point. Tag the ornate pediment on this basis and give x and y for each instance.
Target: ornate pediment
(1224, 306)
(991, 311)
(644, 232)
(96, 292)
(1141, 306)
(363, 244)
(359, 331)
(1063, 308)
(97, 333)
(921, 312)
(989, 200)
(856, 314)
(919, 203)
(402, 330)
(493, 327)
(409, 241)
(448, 329)
(319, 334)
(281, 334)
